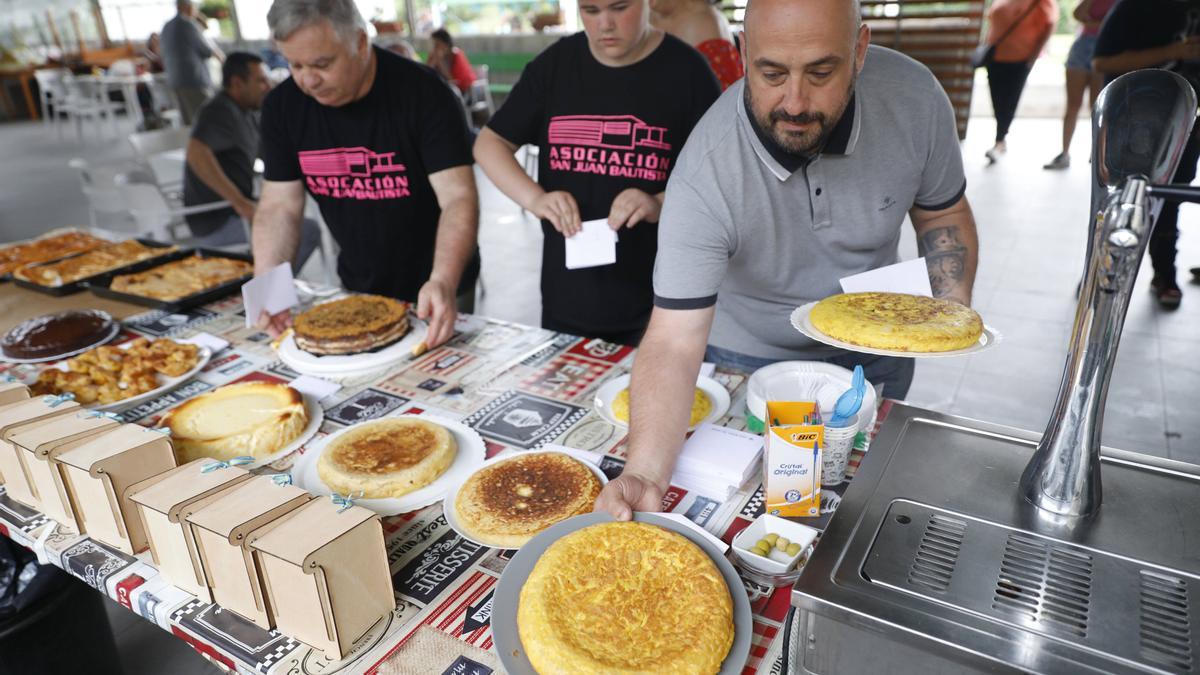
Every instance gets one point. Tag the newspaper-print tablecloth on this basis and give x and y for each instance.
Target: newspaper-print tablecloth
(443, 583)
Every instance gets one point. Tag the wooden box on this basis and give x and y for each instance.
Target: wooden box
(37, 447)
(224, 530)
(11, 392)
(14, 417)
(326, 574)
(163, 504)
(98, 473)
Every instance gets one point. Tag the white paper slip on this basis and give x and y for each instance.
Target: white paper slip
(707, 369)
(592, 246)
(910, 276)
(720, 452)
(314, 386)
(702, 485)
(272, 292)
(214, 343)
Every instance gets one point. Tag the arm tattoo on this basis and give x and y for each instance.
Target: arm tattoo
(945, 257)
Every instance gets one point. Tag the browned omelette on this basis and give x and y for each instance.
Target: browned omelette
(897, 322)
(509, 502)
(625, 598)
(387, 458)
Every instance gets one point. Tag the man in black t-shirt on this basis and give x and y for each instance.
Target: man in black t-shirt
(1157, 34)
(220, 159)
(382, 146)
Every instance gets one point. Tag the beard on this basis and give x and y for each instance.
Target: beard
(802, 143)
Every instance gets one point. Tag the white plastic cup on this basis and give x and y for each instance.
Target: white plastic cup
(835, 455)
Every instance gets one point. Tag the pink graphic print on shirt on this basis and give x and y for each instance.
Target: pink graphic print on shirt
(621, 146)
(353, 173)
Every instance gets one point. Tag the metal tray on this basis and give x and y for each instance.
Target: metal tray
(81, 284)
(101, 284)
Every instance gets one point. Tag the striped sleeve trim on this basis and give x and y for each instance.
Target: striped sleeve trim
(946, 204)
(684, 303)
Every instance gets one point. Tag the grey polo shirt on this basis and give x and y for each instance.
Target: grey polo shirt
(740, 230)
(184, 50)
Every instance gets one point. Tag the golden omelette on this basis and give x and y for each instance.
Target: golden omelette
(897, 322)
(701, 406)
(625, 598)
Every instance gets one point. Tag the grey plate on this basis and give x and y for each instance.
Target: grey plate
(508, 591)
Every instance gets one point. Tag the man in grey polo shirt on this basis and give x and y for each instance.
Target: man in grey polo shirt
(799, 175)
(185, 51)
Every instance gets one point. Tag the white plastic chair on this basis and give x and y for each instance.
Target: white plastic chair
(153, 213)
(51, 91)
(85, 100)
(106, 204)
(148, 144)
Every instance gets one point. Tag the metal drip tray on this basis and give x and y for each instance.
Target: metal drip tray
(936, 564)
(1038, 584)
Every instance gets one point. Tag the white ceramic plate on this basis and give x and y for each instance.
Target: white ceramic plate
(470, 456)
(165, 383)
(451, 497)
(606, 394)
(802, 323)
(116, 328)
(507, 638)
(310, 364)
(316, 416)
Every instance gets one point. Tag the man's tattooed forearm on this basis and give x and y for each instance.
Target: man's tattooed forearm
(945, 258)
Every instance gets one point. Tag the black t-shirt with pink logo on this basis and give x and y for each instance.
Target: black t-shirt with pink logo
(367, 165)
(601, 130)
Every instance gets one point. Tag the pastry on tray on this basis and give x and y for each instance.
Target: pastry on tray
(507, 503)
(96, 261)
(625, 598)
(897, 322)
(181, 278)
(255, 419)
(384, 458)
(112, 374)
(45, 249)
(51, 335)
(351, 325)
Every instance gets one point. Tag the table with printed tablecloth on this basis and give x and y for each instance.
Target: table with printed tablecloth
(443, 583)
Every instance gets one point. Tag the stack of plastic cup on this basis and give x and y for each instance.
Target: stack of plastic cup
(835, 455)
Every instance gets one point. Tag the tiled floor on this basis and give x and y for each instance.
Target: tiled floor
(1032, 230)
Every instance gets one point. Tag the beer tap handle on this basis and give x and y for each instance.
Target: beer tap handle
(1175, 193)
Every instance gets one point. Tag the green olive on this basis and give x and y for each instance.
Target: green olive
(793, 549)
(770, 538)
(761, 550)
(782, 543)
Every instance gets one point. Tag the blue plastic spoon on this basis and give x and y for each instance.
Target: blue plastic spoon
(851, 400)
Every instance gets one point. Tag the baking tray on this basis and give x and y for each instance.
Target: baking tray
(79, 285)
(100, 285)
(7, 276)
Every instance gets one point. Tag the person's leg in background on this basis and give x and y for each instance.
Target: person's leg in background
(1079, 75)
(1166, 231)
(1005, 82)
(190, 101)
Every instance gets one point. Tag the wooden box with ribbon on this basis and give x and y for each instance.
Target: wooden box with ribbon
(163, 504)
(38, 449)
(326, 574)
(98, 473)
(224, 531)
(18, 417)
(12, 390)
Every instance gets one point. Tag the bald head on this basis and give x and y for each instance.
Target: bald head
(802, 61)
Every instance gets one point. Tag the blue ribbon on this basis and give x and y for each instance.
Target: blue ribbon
(346, 501)
(236, 461)
(55, 401)
(92, 414)
(8, 378)
(165, 431)
(282, 479)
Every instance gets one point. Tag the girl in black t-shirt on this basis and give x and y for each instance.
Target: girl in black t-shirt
(609, 110)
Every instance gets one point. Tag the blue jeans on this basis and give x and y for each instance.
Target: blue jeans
(233, 232)
(893, 373)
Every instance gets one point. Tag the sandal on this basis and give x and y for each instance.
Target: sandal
(1167, 293)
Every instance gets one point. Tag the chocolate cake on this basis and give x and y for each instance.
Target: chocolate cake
(52, 335)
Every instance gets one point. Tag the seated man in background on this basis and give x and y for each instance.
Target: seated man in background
(450, 62)
(220, 159)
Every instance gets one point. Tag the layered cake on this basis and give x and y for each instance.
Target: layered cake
(509, 502)
(51, 335)
(351, 325)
